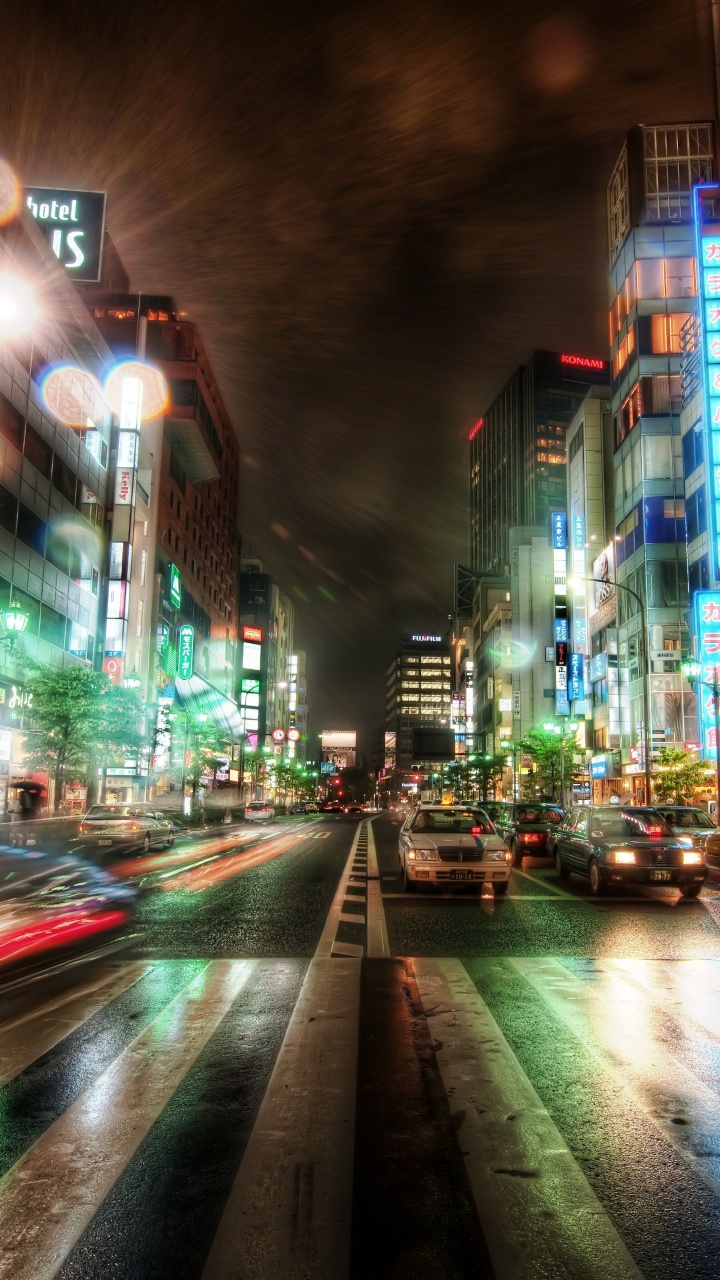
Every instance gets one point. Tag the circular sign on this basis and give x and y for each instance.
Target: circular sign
(138, 385)
(294, 735)
(73, 395)
(278, 735)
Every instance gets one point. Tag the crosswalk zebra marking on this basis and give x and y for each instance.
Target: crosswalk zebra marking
(612, 1028)
(26, 1039)
(52, 1193)
(538, 1212)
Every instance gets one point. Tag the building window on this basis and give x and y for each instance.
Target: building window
(696, 508)
(675, 159)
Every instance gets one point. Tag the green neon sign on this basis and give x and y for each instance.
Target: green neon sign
(186, 651)
(174, 586)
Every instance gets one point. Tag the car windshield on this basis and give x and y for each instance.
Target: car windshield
(538, 813)
(116, 811)
(629, 826)
(689, 818)
(453, 821)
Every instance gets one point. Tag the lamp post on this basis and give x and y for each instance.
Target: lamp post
(647, 737)
(15, 621)
(692, 672)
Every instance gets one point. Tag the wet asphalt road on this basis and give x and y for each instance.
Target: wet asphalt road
(535, 1093)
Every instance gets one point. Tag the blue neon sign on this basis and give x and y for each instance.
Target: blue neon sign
(559, 530)
(706, 219)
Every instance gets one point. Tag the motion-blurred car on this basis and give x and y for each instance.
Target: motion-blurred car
(690, 824)
(259, 811)
(106, 826)
(298, 807)
(331, 806)
(631, 845)
(526, 828)
(311, 806)
(450, 845)
(353, 807)
(51, 904)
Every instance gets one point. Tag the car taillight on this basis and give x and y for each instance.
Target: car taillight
(530, 837)
(476, 831)
(84, 828)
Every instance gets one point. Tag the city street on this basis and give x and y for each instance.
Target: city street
(297, 1070)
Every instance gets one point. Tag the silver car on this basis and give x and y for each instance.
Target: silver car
(259, 811)
(451, 845)
(132, 825)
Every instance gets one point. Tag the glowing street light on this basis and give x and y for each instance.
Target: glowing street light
(19, 310)
(15, 621)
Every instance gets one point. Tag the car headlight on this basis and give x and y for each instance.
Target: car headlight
(422, 855)
(691, 858)
(621, 857)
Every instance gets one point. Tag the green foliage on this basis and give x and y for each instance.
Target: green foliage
(79, 722)
(195, 747)
(680, 776)
(552, 756)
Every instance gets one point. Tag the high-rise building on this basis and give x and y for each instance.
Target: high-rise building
(266, 627)
(418, 692)
(55, 487)
(653, 285)
(517, 452)
(297, 704)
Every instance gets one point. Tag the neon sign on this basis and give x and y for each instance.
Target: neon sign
(583, 362)
(707, 249)
(707, 632)
(477, 428)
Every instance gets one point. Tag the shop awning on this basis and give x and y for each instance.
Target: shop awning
(200, 698)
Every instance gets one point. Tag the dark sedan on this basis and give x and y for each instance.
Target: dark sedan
(620, 846)
(528, 829)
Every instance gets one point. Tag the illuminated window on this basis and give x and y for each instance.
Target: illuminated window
(665, 333)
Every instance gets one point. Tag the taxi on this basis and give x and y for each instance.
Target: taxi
(452, 845)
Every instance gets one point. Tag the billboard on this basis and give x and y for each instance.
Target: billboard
(74, 223)
(433, 745)
(339, 747)
(604, 574)
(707, 639)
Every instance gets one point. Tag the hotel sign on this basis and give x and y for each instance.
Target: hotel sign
(74, 223)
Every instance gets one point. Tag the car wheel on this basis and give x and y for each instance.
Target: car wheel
(562, 870)
(517, 854)
(690, 890)
(169, 843)
(501, 888)
(597, 885)
(146, 842)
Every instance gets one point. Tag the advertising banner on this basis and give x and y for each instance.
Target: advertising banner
(707, 633)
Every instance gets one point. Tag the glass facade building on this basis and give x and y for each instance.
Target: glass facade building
(418, 692)
(653, 286)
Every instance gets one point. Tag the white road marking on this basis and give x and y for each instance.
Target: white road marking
(377, 934)
(25, 1039)
(610, 1018)
(352, 917)
(539, 1214)
(289, 1212)
(553, 888)
(51, 1194)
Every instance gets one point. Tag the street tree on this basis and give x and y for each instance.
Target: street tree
(488, 770)
(552, 756)
(679, 776)
(196, 744)
(78, 719)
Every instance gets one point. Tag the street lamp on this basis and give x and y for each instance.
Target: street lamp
(15, 621)
(692, 671)
(620, 586)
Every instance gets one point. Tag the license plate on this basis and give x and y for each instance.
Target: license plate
(104, 841)
(660, 875)
(462, 875)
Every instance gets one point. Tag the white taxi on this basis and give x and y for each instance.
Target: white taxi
(452, 845)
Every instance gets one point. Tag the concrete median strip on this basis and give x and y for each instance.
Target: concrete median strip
(538, 1212)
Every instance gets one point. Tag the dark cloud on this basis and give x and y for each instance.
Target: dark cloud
(374, 210)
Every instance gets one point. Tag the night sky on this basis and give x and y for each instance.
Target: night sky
(374, 211)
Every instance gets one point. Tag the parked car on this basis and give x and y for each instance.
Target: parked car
(689, 823)
(311, 806)
(634, 845)
(526, 827)
(452, 844)
(299, 807)
(259, 811)
(106, 826)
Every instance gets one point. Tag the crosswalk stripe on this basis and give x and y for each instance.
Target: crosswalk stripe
(51, 1194)
(538, 1212)
(612, 1025)
(684, 985)
(26, 1039)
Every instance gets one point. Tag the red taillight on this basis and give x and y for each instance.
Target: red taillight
(530, 837)
(476, 831)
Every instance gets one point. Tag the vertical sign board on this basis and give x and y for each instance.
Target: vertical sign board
(558, 526)
(186, 650)
(174, 586)
(706, 217)
(707, 635)
(576, 684)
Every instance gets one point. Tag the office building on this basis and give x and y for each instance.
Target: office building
(517, 452)
(266, 627)
(653, 286)
(418, 693)
(298, 705)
